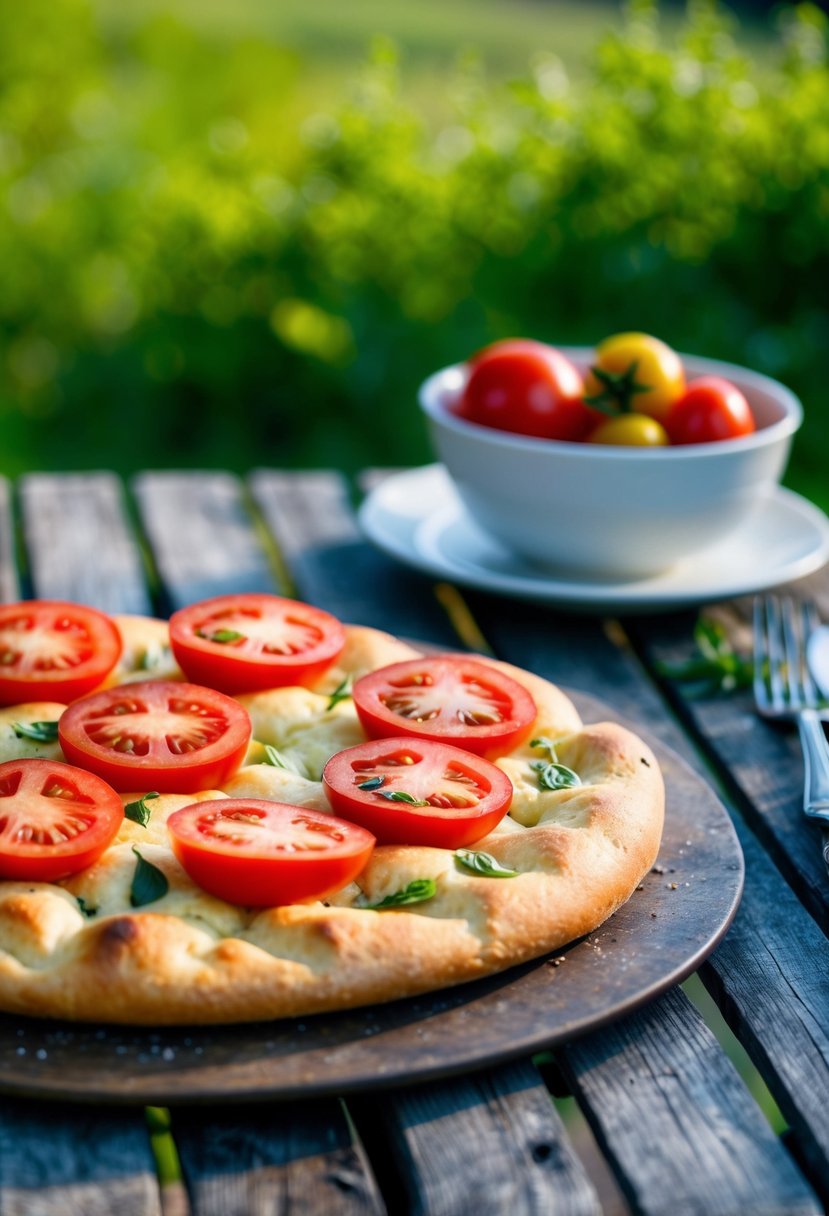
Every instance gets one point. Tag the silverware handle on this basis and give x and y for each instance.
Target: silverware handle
(816, 761)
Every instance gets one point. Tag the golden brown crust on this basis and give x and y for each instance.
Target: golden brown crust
(580, 853)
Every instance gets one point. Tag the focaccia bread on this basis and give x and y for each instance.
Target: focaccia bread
(76, 949)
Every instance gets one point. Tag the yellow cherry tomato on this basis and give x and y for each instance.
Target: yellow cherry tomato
(631, 430)
(638, 373)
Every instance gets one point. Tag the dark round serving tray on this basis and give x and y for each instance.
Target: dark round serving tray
(658, 938)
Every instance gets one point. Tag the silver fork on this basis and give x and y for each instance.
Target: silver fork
(784, 688)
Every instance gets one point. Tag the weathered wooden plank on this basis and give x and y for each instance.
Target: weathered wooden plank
(679, 1126)
(202, 535)
(763, 762)
(80, 545)
(274, 1162)
(504, 1120)
(311, 518)
(771, 970)
(771, 974)
(771, 978)
(9, 582)
(62, 1161)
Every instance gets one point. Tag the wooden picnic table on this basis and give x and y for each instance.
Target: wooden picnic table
(666, 1115)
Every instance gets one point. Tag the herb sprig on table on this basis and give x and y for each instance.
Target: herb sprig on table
(715, 668)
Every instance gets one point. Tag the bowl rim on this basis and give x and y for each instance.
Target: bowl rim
(432, 402)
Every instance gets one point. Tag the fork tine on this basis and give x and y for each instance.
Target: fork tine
(794, 650)
(776, 654)
(809, 621)
(761, 655)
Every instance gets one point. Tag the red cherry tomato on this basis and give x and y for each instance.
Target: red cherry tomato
(450, 699)
(245, 643)
(528, 388)
(710, 409)
(159, 735)
(54, 651)
(260, 854)
(415, 791)
(54, 819)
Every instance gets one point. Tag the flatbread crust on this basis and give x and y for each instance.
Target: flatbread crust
(191, 958)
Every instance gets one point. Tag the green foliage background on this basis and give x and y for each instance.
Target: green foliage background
(196, 268)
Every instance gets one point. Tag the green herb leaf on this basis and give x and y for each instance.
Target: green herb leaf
(138, 811)
(152, 657)
(417, 892)
(41, 732)
(555, 776)
(85, 907)
(482, 863)
(221, 635)
(373, 783)
(341, 693)
(274, 757)
(402, 796)
(148, 882)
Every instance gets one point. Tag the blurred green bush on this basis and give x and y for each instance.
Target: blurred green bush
(193, 271)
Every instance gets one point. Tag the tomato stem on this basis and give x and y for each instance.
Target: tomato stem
(618, 390)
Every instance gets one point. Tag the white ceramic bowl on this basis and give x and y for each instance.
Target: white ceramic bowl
(612, 512)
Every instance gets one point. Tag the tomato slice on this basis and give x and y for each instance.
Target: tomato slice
(447, 698)
(261, 854)
(410, 791)
(245, 643)
(54, 819)
(159, 735)
(54, 651)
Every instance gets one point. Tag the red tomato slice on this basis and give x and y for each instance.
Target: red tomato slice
(261, 854)
(410, 791)
(54, 819)
(451, 699)
(244, 643)
(54, 651)
(158, 735)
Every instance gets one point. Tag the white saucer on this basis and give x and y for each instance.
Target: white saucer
(417, 517)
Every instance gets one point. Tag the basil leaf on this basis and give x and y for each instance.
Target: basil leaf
(555, 776)
(543, 741)
(482, 863)
(417, 892)
(152, 657)
(402, 796)
(275, 758)
(221, 635)
(148, 882)
(341, 693)
(373, 783)
(41, 732)
(138, 811)
(84, 907)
